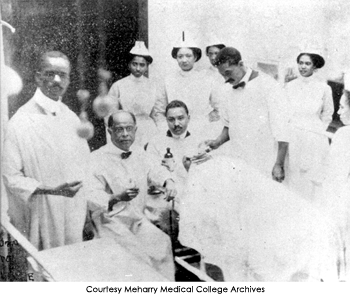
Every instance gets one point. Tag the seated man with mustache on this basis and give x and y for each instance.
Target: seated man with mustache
(182, 144)
(119, 175)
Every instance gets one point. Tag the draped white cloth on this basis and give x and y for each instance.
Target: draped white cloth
(136, 95)
(312, 109)
(44, 149)
(253, 228)
(336, 192)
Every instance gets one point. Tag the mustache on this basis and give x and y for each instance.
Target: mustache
(55, 84)
(230, 80)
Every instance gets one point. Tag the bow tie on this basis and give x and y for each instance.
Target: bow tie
(125, 155)
(241, 84)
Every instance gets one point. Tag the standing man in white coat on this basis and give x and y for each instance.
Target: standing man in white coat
(43, 161)
(256, 116)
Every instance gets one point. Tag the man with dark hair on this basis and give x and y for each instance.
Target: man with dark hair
(43, 162)
(118, 180)
(182, 145)
(255, 116)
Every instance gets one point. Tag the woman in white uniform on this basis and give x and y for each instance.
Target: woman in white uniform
(192, 87)
(136, 93)
(312, 106)
(212, 51)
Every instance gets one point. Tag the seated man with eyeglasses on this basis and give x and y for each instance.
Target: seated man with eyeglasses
(118, 180)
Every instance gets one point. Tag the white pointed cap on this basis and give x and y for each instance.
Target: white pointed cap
(140, 49)
(186, 41)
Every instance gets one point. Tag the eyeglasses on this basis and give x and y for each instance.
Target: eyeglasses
(121, 129)
(50, 75)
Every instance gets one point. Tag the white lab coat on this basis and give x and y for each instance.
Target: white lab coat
(41, 148)
(126, 223)
(312, 109)
(257, 117)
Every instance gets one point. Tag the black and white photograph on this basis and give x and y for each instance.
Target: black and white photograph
(178, 142)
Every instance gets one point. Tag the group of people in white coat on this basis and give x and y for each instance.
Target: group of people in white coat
(246, 165)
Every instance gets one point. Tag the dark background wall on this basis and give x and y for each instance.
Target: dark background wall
(92, 33)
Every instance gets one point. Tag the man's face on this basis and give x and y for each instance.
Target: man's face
(212, 53)
(138, 66)
(186, 59)
(53, 78)
(123, 131)
(178, 120)
(232, 73)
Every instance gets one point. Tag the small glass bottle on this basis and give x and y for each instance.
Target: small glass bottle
(169, 160)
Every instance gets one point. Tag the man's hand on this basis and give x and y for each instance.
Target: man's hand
(169, 165)
(170, 190)
(278, 172)
(68, 189)
(200, 158)
(214, 116)
(127, 195)
(210, 144)
(186, 161)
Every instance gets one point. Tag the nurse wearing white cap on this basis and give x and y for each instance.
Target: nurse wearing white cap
(188, 85)
(312, 109)
(212, 50)
(136, 93)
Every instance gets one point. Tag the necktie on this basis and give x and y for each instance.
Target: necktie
(125, 155)
(241, 84)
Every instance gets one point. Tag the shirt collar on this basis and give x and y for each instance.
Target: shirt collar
(187, 74)
(247, 75)
(137, 80)
(48, 104)
(310, 79)
(182, 136)
(113, 149)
